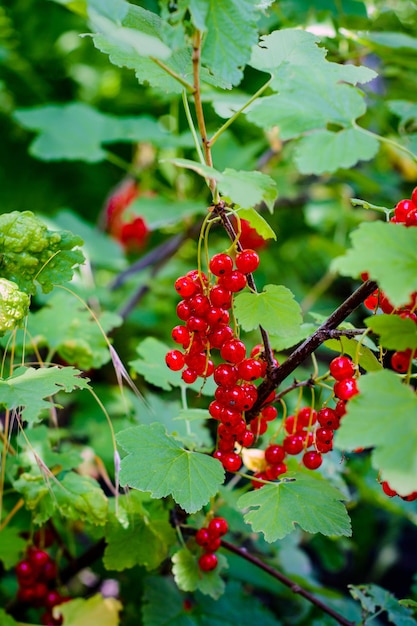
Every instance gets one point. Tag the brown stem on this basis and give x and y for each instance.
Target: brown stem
(295, 588)
(299, 355)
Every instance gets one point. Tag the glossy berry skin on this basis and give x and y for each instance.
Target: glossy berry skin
(181, 335)
(207, 562)
(269, 413)
(293, 444)
(400, 361)
(274, 454)
(247, 261)
(225, 375)
(340, 409)
(258, 426)
(324, 434)
(189, 376)
(234, 282)
(346, 389)
(272, 472)
(246, 439)
(185, 286)
(25, 572)
(231, 462)
(221, 264)
(233, 351)
(327, 418)
(202, 537)
(175, 360)
(306, 417)
(221, 297)
(249, 369)
(342, 367)
(402, 209)
(312, 460)
(218, 527)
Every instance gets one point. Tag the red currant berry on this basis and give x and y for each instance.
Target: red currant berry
(247, 261)
(411, 219)
(414, 196)
(400, 361)
(53, 598)
(324, 434)
(274, 454)
(40, 591)
(185, 286)
(340, 409)
(199, 305)
(258, 426)
(249, 237)
(324, 446)
(197, 324)
(306, 417)
(234, 282)
(257, 479)
(218, 527)
(225, 374)
(221, 297)
(175, 360)
(202, 537)
(273, 471)
(181, 335)
(293, 444)
(48, 619)
(387, 489)
(327, 418)
(411, 497)
(226, 444)
(292, 426)
(230, 418)
(402, 209)
(189, 376)
(246, 439)
(218, 454)
(346, 389)
(27, 595)
(233, 351)
(312, 460)
(250, 369)
(216, 316)
(221, 264)
(26, 572)
(50, 571)
(220, 336)
(342, 367)
(183, 310)
(269, 413)
(231, 462)
(43, 538)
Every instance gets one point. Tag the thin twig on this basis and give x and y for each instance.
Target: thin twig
(275, 377)
(295, 588)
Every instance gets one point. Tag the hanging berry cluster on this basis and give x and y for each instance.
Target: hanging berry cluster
(405, 213)
(37, 579)
(209, 539)
(205, 310)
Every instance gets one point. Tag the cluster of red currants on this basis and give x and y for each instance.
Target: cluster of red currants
(309, 431)
(405, 213)
(37, 578)
(205, 311)
(210, 540)
(132, 233)
(391, 492)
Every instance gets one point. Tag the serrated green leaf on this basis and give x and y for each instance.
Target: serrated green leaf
(382, 416)
(283, 342)
(309, 502)
(355, 349)
(231, 32)
(43, 442)
(143, 525)
(77, 131)
(374, 598)
(395, 333)
(67, 328)
(152, 367)
(81, 498)
(395, 270)
(404, 109)
(189, 577)
(12, 546)
(14, 305)
(94, 610)
(32, 255)
(274, 309)
(257, 222)
(27, 388)
(163, 603)
(326, 151)
(157, 463)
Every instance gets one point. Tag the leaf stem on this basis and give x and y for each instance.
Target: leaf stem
(295, 588)
(235, 115)
(387, 140)
(173, 74)
(192, 127)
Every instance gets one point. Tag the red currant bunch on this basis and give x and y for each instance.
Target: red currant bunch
(37, 578)
(391, 492)
(209, 539)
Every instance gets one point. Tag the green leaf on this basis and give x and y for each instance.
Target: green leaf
(30, 253)
(395, 332)
(245, 189)
(274, 309)
(157, 463)
(143, 525)
(382, 416)
(45, 443)
(6, 619)
(393, 40)
(77, 131)
(395, 270)
(375, 599)
(68, 328)
(325, 151)
(27, 388)
(404, 109)
(257, 222)
(188, 575)
(309, 502)
(162, 211)
(12, 546)
(14, 305)
(94, 610)
(152, 367)
(230, 27)
(352, 347)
